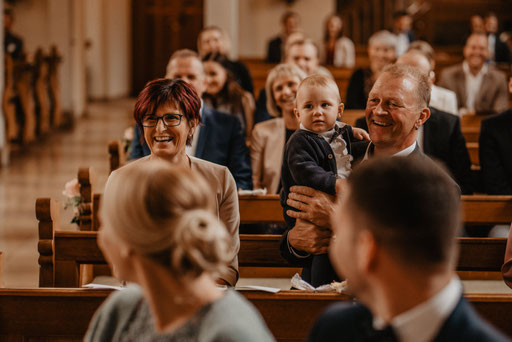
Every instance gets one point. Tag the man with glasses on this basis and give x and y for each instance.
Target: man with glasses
(219, 138)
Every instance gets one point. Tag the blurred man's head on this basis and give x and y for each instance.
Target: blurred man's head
(381, 50)
(290, 22)
(304, 54)
(397, 216)
(402, 21)
(186, 65)
(491, 23)
(416, 59)
(476, 51)
(477, 24)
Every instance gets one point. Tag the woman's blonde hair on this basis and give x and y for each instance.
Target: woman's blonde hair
(166, 212)
(284, 69)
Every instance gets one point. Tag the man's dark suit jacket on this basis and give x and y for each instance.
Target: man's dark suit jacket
(349, 322)
(220, 141)
(495, 149)
(501, 51)
(274, 50)
(443, 140)
(260, 112)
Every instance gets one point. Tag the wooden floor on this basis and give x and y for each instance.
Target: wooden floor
(42, 171)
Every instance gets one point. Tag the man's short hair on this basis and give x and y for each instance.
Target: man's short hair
(483, 34)
(424, 48)
(420, 79)
(184, 53)
(399, 14)
(301, 42)
(287, 15)
(383, 37)
(410, 205)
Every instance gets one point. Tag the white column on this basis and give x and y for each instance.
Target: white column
(78, 69)
(4, 147)
(224, 14)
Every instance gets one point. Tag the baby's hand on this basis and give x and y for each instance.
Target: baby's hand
(360, 134)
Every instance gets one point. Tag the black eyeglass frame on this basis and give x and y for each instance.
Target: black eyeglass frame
(163, 120)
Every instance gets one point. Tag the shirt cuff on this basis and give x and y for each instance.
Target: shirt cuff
(296, 253)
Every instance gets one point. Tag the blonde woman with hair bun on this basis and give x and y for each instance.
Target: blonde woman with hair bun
(160, 232)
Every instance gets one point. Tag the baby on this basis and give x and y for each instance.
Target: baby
(318, 154)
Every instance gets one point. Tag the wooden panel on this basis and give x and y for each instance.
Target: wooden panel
(481, 254)
(160, 27)
(260, 209)
(483, 209)
(64, 314)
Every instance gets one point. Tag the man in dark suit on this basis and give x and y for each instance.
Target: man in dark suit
(396, 109)
(13, 45)
(290, 24)
(499, 51)
(443, 140)
(220, 138)
(495, 150)
(395, 243)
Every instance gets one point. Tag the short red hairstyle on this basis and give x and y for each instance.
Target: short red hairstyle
(164, 91)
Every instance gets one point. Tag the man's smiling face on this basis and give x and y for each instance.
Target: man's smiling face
(392, 111)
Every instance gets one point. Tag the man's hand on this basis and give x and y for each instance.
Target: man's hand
(315, 206)
(307, 237)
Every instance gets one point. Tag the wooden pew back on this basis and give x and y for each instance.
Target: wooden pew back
(64, 314)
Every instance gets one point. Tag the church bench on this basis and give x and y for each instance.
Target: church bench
(64, 314)
(73, 249)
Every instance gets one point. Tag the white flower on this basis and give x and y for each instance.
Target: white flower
(72, 189)
(128, 133)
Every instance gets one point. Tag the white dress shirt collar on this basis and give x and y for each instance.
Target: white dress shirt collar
(423, 322)
(403, 153)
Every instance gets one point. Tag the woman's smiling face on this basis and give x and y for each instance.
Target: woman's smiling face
(166, 141)
(284, 90)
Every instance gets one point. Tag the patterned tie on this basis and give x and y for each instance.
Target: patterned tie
(337, 132)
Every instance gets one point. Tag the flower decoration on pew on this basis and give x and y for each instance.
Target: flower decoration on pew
(127, 140)
(73, 199)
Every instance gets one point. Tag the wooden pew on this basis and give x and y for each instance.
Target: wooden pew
(64, 314)
(476, 254)
(473, 153)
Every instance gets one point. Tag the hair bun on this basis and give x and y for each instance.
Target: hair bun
(201, 244)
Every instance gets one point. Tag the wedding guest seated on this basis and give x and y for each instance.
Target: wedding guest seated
(498, 50)
(161, 234)
(441, 136)
(290, 23)
(381, 52)
(219, 138)
(167, 113)
(440, 98)
(395, 242)
(338, 50)
(480, 88)
(402, 27)
(213, 39)
(495, 152)
(224, 94)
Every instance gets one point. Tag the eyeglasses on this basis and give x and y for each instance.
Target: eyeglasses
(169, 120)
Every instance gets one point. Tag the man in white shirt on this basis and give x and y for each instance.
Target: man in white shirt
(394, 241)
(480, 88)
